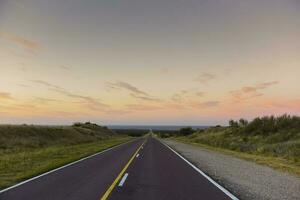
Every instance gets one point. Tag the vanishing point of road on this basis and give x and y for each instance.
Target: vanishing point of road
(143, 169)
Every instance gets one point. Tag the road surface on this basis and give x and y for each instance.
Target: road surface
(142, 169)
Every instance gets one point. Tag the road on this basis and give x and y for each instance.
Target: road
(142, 169)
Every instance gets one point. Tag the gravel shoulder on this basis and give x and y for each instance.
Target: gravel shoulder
(245, 179)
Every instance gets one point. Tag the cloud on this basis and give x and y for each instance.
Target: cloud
(127, 86)
(5, 95)
(17, 107)
(175, 106)
(205, 77)
(267, 84)
(200, 94)
(177, 98)
(249, 92)
(134, 91)
(25, 106)
(141, 107)
(118, 112)
(43, 100)
(23, 85)
(47, 84)
(206, 104)
(182, 95)
(145, 98)
(209, 104)
(25, 43)
(64, 67)
(90, 102)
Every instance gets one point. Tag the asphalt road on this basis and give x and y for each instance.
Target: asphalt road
(143, 169)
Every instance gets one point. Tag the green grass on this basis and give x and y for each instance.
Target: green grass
(271, 161)
(26, 151)
(269, 140)
(280, 150)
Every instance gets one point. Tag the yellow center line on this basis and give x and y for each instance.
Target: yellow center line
(112, 186)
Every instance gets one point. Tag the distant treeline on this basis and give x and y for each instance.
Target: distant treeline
(171, 133)
(131, 132)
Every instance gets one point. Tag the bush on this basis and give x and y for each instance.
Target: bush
(233, 123)
(270, 124)
(243, 122)
(186, 131)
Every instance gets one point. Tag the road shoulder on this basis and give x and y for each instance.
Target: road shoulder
(246, 179)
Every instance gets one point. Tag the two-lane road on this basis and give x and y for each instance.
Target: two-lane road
(142, 169)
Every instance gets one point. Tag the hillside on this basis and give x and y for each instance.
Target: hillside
(32, 136)
(270, 140)
(28, 150)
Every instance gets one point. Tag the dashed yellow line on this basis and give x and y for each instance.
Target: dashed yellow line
(112, 186)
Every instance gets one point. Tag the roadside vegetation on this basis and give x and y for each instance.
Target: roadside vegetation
(29, 150)
(131, 132)
(274, 141)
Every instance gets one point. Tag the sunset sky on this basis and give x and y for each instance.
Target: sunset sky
(175, 62)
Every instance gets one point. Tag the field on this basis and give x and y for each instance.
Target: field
(26, 150)
(268, 140)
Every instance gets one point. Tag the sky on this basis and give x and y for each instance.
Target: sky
(138, 62)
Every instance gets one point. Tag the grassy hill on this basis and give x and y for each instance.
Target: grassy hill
(16, 137)
(270, 140)
(28, 150)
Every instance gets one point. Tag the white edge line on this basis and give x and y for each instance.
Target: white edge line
(203, 174)
(59, 168)
(123, 180)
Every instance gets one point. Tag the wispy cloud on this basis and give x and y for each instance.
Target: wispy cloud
(205, 77)
(248, 92)
(17, 107)
(45, 83)
(23, 85)
(206, 104)
(177, 98)
(5, 95)
(145, 98)
(25, 43)
(90, 102)
(134, 91)
(200, 94)
(210, 104)
(183, 95)
(141, 107)
(42, 100)
(126, 86)
(64, 67)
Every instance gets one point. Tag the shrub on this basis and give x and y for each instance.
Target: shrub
(270, 124)
(233, 123)
(186, 131)
(243, 122)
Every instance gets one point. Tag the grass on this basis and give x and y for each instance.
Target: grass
(271, 161)
(26, 151)
(272, 141)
